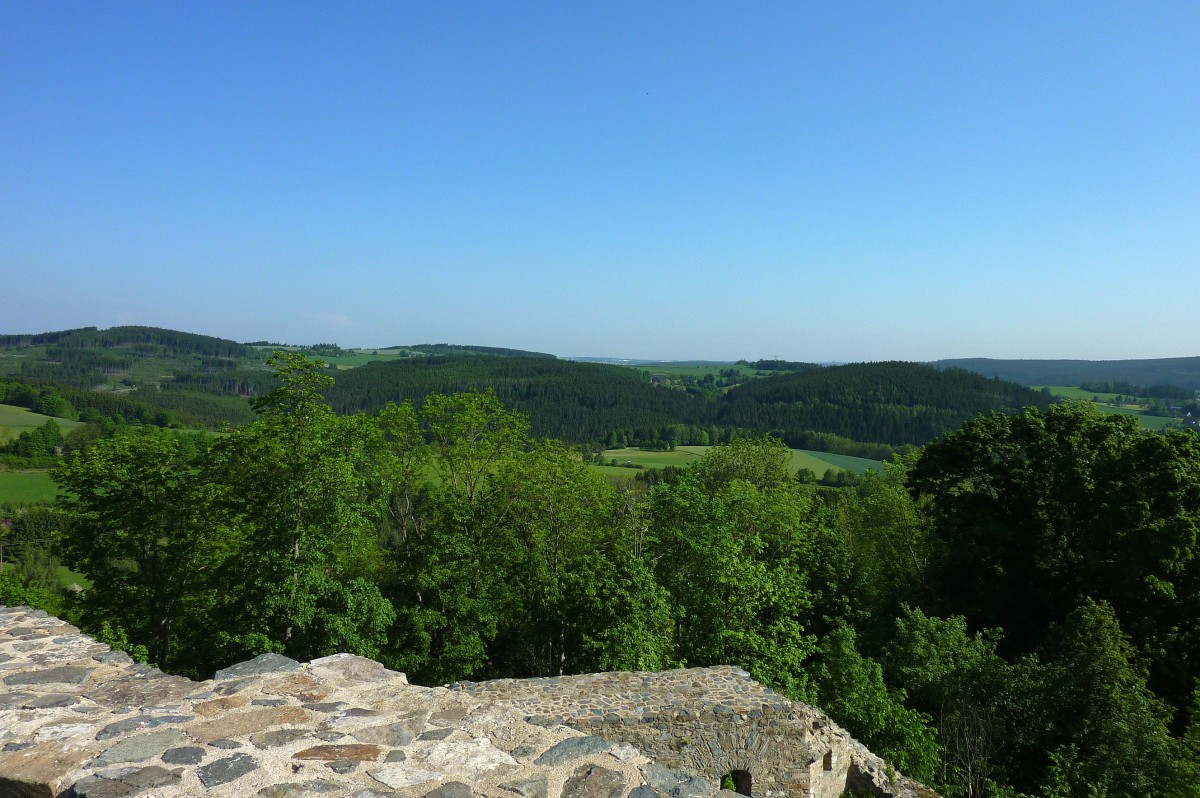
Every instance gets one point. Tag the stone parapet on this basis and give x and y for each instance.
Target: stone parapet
(713, 721)
(82, 721)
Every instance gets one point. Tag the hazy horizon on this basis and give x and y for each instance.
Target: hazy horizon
(820, 183)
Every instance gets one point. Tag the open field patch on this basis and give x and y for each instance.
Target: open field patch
(1107, 404)
(1149, 422)
(15, 420)
(817, 462)
(360, 357)
(26, 487)
(1070, 392)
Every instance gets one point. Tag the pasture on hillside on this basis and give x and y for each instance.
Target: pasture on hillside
(696, 370)
(817, 462)
(26, 487)
(1107, 404)
(360, 357)
(15, 420)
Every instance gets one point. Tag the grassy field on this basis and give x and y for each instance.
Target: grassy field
(26, 487)
(15, 420)
(1149, 422)
(696, 370)
(356, 357)
(1068, 392)
(818, 462)
(67, 577)
(363, 356)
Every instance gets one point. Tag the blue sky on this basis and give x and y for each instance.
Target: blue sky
(839, 181)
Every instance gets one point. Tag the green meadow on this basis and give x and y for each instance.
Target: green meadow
(1149, 422)
(1107, 404)
(26, 487)
(361, 357)
(696, 370)
(15, 420)
(817, 462)
(1069, 392)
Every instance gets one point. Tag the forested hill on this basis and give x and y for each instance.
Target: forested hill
(564, 399)
(450, 349)
(1181, 371)
(891, 402)
(87, 357)
(143, 340)
(139, 374)
(824, 408)
(184, 379)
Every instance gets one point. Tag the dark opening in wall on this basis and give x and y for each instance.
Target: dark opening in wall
(737, 780)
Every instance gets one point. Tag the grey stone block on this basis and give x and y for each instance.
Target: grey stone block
(263, 663)
(573, 748)
(226, 770)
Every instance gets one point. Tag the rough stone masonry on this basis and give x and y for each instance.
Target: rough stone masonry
(80, 720)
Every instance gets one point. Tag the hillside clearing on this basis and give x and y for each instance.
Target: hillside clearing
(15, 420)
(817, 462)
(26, 487)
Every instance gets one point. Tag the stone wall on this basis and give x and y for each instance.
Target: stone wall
(711, 721)
(80, 720)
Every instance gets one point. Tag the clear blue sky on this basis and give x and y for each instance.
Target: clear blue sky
(837, 181)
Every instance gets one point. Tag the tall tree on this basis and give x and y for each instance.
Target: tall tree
(1111, 735)
(292, 489)
(1033, 513)
(731, 553)
(140, 536)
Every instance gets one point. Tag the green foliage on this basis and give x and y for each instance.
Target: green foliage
(1110, 731)
(728, 540)
(138, 534)
(851, 689)
(1036, 512)
(16, 590)
(961, 681)
(115, 636)
(39, 442)
(291, 490)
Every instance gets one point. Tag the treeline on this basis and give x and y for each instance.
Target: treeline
(164, 406)
(892, 402)
(1010, 612)
(246, 383)
(64, 401)
(38, 339)
(778, 365)
(867, 410)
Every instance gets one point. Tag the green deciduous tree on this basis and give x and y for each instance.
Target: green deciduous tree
(1110, 731)
(292, 490)
(1035, 512)
(140, 535)
(851, 689)
(728, 541)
